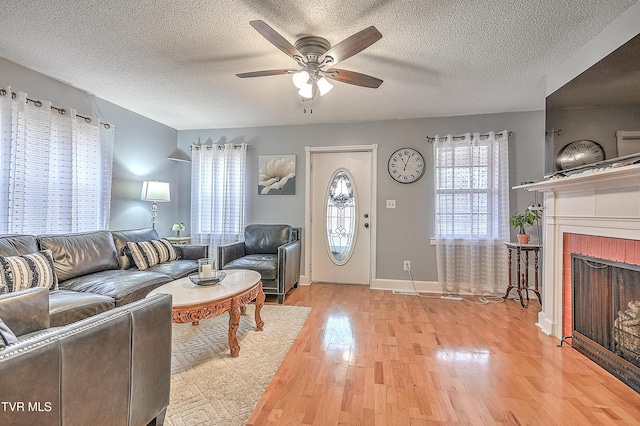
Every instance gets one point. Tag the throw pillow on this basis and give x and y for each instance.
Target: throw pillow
(29, 270)
(149, 253)
(7, 337)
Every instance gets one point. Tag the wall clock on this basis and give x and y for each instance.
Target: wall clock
(579, 153)
(406, 165)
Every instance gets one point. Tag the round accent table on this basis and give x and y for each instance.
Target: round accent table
(192, 303)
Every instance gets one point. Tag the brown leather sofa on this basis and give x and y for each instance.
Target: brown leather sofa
(272, 250)
(113, 368)
(94, 272)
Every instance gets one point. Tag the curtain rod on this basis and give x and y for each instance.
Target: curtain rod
(431, 139)
(219, 146)
(62, 111)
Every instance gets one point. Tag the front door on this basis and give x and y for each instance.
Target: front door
(341, 184)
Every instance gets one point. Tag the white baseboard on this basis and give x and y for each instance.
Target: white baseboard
(304, 280)
(545, 324)
(406, 286)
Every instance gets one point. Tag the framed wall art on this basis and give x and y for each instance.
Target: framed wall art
(277, 174)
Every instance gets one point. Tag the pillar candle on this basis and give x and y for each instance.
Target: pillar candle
(206, 271)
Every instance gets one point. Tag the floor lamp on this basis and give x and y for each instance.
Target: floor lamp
(156, 192)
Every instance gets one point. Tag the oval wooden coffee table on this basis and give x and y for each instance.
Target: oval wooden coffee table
(192, 303)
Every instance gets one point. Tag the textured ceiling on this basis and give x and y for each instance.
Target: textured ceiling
(175, 61)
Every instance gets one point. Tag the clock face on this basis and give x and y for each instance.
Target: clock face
(406, 165)
(579, 153)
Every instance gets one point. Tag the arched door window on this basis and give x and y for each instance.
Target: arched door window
(341, 217)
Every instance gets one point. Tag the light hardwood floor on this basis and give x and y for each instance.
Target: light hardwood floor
(368, 357)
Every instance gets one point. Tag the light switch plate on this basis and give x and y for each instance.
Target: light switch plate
(391, 204)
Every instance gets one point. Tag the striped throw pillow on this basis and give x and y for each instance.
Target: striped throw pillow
(146, 254)
(29, 270)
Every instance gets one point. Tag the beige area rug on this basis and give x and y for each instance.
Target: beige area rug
(208, 387)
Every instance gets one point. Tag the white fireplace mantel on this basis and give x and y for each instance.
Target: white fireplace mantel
(603, 202)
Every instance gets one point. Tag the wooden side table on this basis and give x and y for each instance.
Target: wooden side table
(179, 240)
(523, 279)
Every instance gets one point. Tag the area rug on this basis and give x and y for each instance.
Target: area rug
(208, 387)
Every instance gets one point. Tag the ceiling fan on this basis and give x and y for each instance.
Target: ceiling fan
(313, 55)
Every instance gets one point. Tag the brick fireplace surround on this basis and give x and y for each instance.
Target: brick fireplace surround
(595, 213)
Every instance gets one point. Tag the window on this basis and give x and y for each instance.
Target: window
(55, 174)
(218, 194)
(471, 187)
(471, 212)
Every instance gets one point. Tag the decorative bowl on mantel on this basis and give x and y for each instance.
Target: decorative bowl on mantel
(204, 281)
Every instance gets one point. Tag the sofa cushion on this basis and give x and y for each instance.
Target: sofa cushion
(80, 254)
(121, 238)
(15, 245)
(265, 264)
(26, 271)
(260, 239)
(125, 286)
(149, 253)
(176, 269)
(25, 311)
(7, 337)
(66, 306)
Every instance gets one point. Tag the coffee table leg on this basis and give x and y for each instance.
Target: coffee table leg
(259, 303)
(234, 323)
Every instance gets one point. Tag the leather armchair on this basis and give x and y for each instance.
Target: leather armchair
(272, 250)
(113, 368)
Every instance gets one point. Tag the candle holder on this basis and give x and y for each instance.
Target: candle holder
(207, 268)
(207, 274)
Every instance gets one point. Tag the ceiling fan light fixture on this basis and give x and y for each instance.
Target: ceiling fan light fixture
(324, 86)
(300, 79)
(306, 91)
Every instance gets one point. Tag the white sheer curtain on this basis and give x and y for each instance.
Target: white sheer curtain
(472, 211)
(218, 194)
(56, 168)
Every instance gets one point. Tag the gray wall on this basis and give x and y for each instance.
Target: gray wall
(142, 145)
(140, 149)
(403, 233)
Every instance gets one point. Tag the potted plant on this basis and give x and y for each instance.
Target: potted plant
(518, 220)
(177, 227)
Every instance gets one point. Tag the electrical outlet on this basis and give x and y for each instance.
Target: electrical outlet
(407, 265)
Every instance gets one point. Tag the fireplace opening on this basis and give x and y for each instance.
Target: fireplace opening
(606, 315)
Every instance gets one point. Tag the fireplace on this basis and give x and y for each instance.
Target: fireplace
(606, 315)
(595, 213)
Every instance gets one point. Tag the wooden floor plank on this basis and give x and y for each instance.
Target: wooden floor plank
(368, 357)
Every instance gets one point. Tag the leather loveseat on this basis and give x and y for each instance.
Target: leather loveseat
(271, 250)
(113, 368)
(94, 271)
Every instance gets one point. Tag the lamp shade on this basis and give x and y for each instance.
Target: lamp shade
(179, 155)
(324, 86)
(152, 190)
(306, 91)
(300, 79)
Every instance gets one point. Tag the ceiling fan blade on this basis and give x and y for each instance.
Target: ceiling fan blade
(276, 39)
(352, 45)
(266, 73)
(352, 77)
